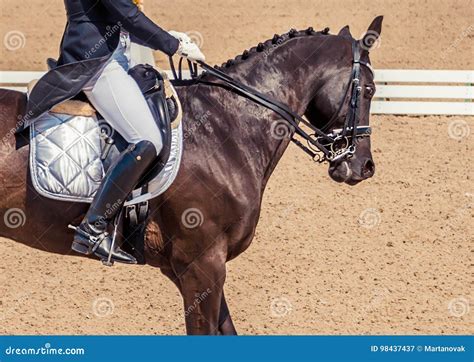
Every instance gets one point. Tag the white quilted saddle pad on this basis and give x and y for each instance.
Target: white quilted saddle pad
(65, 159)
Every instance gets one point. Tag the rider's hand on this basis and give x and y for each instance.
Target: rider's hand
(187, 48)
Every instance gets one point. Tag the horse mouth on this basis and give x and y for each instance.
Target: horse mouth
(340, 172)
(353, 182)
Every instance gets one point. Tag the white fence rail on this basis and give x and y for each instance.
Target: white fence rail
(17, 80)
(412, 92)
(424, 92)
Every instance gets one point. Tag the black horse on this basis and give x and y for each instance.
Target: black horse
(232, 146)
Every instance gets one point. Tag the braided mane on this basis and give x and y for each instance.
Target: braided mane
(269, 44)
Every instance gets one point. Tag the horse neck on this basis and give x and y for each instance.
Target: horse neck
(289, 73)
(282, 75)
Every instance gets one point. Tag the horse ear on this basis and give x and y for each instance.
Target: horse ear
(376, 25)
(373, 33)
(345, 32)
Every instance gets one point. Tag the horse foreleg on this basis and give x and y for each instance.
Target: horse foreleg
(201, 287)
(226, 326)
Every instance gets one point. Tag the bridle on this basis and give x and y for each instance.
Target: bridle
(321, 146)
(344, 140)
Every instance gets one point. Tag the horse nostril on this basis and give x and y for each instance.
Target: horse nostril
(368, 169)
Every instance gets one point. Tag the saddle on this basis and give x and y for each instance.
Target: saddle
(72, 146)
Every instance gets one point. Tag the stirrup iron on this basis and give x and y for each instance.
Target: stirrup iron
(109, 261)
(93, 241)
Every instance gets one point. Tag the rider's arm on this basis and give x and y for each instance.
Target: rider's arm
(141, 28)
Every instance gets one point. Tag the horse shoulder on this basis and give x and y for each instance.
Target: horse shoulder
(12, 107)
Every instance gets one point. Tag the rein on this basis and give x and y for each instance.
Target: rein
(321, 146)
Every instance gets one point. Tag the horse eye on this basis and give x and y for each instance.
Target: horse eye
(369, 92)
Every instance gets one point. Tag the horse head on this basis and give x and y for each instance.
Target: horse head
(328, 109)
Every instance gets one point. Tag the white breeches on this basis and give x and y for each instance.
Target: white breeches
(117, 97)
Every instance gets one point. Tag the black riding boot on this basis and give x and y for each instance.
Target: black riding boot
(122, 177)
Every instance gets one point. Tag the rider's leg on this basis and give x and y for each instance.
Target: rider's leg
(119, 100)
(122, 177)
(117, 97)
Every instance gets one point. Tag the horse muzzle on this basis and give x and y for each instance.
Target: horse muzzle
(340, 171)
(352, 171)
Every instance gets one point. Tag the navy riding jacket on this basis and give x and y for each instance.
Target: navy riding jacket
(91, 36)
(94, 26)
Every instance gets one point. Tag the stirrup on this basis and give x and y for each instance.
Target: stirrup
(109, 261)
(93, 241)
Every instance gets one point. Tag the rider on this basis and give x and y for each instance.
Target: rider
(94, 58)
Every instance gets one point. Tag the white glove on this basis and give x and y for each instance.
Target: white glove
(187, 48)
